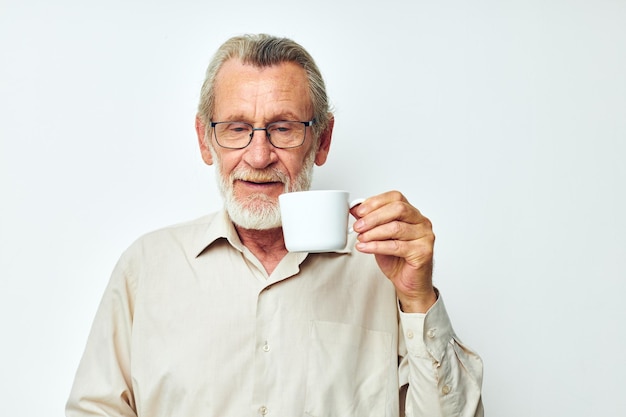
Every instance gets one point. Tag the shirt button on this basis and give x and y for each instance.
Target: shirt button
(409, 334)
(431, 333)
(263, 410)
(266, 347)
(446, 389)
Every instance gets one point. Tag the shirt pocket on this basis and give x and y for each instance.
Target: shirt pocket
(348, 371)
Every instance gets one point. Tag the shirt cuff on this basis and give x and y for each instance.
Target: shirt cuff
(427, 334)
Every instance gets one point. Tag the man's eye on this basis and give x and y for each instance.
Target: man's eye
(281, 127)
(238, 128)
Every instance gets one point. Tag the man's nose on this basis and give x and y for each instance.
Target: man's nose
(260, 152)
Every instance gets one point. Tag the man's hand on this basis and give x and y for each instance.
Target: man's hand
(402, 241)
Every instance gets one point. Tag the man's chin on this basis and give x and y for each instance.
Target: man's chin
(252, 222)
(255, 215)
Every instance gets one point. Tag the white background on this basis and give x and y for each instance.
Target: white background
(503, 121)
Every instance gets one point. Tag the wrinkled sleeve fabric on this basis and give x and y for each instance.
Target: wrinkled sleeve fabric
(441, 376)
(102, 386)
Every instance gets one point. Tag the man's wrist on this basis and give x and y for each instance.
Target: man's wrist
(418, 304)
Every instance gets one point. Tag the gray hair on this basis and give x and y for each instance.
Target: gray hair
(263, 50)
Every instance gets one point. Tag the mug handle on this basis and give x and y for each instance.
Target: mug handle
(353, 204)
(356, 202)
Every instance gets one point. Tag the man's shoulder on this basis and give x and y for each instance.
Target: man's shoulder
(183, 234)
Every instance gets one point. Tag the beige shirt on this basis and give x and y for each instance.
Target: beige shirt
(191, 325)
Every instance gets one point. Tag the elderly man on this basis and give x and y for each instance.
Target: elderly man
(215, 317)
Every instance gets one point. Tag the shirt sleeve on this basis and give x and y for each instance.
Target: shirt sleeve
(439, 375)
(102, 386)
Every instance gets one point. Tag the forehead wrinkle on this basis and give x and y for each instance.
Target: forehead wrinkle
(262, 94)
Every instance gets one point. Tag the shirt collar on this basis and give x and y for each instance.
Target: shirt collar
(219, 227)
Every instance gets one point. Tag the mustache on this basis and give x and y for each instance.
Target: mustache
(259, 175)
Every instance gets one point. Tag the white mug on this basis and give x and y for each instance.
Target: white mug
(315, 221)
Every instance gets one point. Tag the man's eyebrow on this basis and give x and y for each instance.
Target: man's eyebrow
(287, 116)
(231, 118)
(284, 116)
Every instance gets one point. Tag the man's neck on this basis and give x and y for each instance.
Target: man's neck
(267, 245)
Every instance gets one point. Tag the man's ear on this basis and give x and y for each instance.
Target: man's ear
(203, 141)
(323, 146)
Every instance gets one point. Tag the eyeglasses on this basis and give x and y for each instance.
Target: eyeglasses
(282, 135)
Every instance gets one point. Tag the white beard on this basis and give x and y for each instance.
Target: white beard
(258, 211)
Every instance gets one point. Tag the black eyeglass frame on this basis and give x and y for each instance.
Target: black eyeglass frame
(267, 133)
